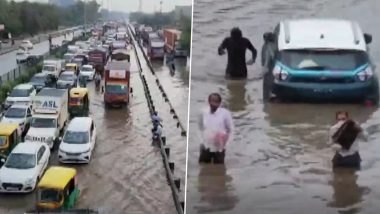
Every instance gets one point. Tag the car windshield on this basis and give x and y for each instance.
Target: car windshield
(38, 79)
(19, 93)
(15, 113)
(87, 69)
(66, 77)
(48, 68)
(43, 123)
(323, 59)
(49, 195)
(116, 89)
(73, 137)
(3, 141)
(20, 161)
(68, 57)
(70, 68)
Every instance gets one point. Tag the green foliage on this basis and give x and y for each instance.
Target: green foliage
(32, 18)
(186, 33)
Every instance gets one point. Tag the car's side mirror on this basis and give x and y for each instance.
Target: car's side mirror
(60, 139)
(2, 160)
(367, 38)
(269, 37)
(8, 93)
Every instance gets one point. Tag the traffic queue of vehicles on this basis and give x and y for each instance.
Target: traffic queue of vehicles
(52, 111)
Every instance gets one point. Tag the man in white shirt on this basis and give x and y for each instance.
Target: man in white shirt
(216, 127)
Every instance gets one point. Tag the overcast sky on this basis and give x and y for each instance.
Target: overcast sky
(132, 5)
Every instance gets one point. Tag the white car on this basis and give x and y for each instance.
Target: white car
(78, 141)
(22, 55)
(88, 71)
(21, 94)
(24, 167)
(19, 114)
(26, 44)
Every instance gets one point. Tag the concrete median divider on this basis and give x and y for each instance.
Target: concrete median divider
(174, 183)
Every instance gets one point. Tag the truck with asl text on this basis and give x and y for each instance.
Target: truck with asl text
(49, 116)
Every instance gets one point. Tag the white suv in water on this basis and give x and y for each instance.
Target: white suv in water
(319, 59)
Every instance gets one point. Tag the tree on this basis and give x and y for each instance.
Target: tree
(186, 33)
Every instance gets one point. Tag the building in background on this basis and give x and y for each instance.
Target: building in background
(62, 3)
(181, 11)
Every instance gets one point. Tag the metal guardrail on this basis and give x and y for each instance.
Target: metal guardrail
(175, 183)
(164, 94)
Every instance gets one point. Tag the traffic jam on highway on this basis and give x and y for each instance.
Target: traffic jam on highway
(50, 114)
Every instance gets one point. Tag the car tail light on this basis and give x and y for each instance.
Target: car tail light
(365, 74)
(279, 73)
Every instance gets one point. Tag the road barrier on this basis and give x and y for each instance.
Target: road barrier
(175, 183)
(164, 94)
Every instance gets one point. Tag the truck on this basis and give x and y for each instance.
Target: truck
(116, 83)
(172, 38)
(53, 67)
(49, 116)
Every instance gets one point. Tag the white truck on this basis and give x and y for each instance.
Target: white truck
(49, 116)
(53, 67)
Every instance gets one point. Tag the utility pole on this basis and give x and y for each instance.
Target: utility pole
(161, 6)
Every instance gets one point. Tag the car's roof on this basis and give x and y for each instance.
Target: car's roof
(24, 106)
(80, 124)
(68, 73)
(320, 34)
(27, 148)
(87, 66)
(24, 86)
(40, 75)
(25, 41)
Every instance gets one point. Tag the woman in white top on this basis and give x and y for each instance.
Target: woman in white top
(344, 137)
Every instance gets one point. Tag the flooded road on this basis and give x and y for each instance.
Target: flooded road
(278, 161)
(125, 174)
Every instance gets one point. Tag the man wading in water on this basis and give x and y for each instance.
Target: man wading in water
(344, 136)
(236, 46)
(216, 126)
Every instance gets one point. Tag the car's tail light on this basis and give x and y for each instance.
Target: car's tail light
(279, 73)
(365, 74)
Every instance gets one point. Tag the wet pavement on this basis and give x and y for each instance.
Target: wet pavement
(125, 174)
(278, 161)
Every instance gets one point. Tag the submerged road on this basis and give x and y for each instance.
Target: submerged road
(278, 161)
(125, 174)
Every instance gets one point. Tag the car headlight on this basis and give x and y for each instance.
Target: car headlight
(279, 73)
(87, 151)
(365, 74)
(29, 181)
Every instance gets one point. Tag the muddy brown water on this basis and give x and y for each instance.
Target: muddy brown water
(278, 161)
(126, 173)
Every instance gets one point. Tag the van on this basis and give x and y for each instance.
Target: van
(53, 67)
(318, 60)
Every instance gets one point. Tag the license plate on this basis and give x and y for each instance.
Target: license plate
(12, 189)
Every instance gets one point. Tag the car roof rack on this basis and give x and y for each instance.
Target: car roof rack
(286, 31)
(355, 29)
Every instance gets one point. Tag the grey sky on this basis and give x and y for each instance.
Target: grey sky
(132, 5)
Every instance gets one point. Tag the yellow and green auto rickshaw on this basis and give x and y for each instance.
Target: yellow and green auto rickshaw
(9, 138)
(79, 102)
(58, 189)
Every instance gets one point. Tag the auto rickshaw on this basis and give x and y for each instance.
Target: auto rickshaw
(79, 102)
(9, 138)
(72, 67)
(58, 189)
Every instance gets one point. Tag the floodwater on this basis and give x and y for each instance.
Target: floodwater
(278, 161)
(126, 174)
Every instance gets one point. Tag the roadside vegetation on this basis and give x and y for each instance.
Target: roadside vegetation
(31, 18)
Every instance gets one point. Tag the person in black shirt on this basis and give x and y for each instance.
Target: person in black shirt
(236, 46)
